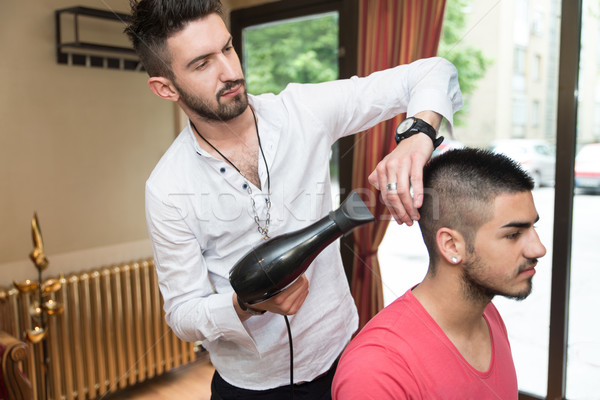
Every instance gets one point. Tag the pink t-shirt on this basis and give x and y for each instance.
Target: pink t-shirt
(403, 354)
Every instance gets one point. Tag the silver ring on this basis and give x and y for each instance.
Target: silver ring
(391, 186)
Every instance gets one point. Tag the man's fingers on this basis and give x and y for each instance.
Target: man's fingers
(394, 183)
(299, 293)
(374, 179)
(417, 187)
(291, 299)
(400, 171)
(298, 301)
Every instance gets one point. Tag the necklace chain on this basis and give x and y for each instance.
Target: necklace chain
(263, 230)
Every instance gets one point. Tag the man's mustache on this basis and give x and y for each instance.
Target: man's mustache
(230, 85)
(527, 264)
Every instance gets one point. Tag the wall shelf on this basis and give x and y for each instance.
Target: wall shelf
(88, 53)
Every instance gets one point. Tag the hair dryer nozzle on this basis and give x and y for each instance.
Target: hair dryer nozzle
(353, 212)
(270, 267)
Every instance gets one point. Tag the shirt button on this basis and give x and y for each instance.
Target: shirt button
(245, 186)
(223, 170)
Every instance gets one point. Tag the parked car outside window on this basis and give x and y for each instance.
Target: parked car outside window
(587, 168)
(536, 156)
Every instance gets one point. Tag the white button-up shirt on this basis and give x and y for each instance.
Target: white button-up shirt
(201, 221)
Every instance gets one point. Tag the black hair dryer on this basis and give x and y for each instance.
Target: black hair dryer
(270, 267)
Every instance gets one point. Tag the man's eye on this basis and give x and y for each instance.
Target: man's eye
(514, 235)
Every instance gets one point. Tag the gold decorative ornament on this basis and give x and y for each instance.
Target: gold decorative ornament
(44, 305)
(36, 334)
(26, 286)
(51, 286)
(51, 307)
(37, 254)
(35, 311)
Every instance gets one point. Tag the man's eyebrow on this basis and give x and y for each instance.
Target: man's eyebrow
(519, 224)
(203, 56)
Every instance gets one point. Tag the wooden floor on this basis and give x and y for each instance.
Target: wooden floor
(188, 382)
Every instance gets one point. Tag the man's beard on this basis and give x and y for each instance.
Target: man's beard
(223, 112)
(479, 288)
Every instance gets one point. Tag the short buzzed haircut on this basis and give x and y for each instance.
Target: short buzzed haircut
(460, 189)
(154, 21)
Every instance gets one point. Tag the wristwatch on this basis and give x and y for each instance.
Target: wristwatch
(411, 126)
(249, 310)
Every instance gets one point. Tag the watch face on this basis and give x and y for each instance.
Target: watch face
(405, 125)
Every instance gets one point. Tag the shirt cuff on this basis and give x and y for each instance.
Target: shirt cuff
(226, 319)
(433, 100)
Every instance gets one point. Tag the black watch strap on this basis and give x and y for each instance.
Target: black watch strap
(249, 310)
(411, 126)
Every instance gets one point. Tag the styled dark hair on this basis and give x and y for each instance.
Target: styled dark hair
(154, 21)
(460, 188)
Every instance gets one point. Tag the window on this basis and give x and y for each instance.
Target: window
(519, 111)
(536, 68)
(519, 61)
(537, 27)
(535, 113)
(520, 27)
(583, 351)
(514, 103)
(303, 49)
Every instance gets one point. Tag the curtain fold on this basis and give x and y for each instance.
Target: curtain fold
(391, 32)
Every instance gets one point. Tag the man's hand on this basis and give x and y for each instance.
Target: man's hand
(404, 167)
(287, 302)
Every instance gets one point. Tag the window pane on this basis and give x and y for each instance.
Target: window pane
(583, 357)
(510, 109)
(300, 50)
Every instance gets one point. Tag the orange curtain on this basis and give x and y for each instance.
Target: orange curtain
(391, 32)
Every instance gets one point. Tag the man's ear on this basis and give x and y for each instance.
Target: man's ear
(451, 245)
(163, 88)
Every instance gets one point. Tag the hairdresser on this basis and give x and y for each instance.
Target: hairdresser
(248, 168)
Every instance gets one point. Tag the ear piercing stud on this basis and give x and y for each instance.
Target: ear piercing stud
(454, 259)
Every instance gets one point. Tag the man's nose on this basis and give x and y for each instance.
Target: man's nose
(535, 248)
(228, 69)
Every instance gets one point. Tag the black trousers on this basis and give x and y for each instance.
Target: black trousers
(318, 389)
